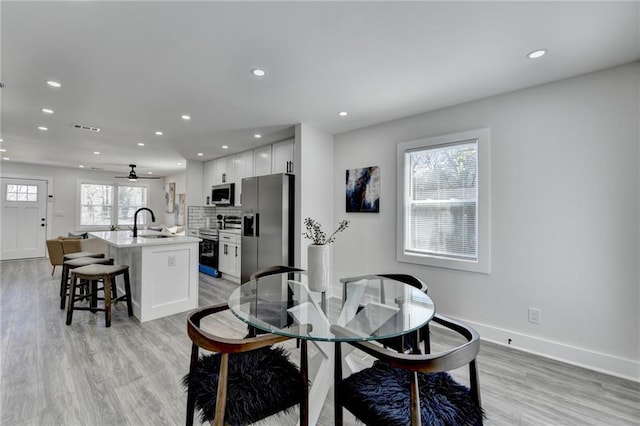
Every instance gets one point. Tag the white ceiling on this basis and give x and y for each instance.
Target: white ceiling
(132, 68)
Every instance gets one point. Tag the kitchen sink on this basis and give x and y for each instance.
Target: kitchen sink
(157, 236)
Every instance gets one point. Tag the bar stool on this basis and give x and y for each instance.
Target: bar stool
(79, 254)
(68, 265)
(91, 274)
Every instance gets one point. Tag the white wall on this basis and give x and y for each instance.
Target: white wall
(565, 217)
(313, 161)
(65, 188)
(194, 183)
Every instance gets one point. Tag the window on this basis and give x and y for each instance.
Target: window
(444, 217)
(110, 204)
(26, 193)
(130, 199)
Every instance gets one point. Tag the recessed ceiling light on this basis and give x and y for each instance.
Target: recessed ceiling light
(53, 83)
(343, 113)
(44, 129)
(96, 152)
(159, 133)
(539, 53)
(257, 136)
(149, 173)
(81, 166)
(3, 150)
(6, 158)
(258, 72)
(225, 146)
(179, 164)
(1, 140)
(200, 154)
(140, 144)
(186, 117)
(47, 111)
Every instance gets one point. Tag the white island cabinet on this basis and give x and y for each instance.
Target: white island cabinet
(163, 271)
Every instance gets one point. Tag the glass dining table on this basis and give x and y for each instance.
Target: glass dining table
(367, 307)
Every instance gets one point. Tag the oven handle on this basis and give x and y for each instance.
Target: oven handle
(257, 224)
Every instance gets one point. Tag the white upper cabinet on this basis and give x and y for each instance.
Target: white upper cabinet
(265, 160)
(230, 168)
(209, 178)
(281, 156)
(262, 161)
(219, 168)
(244, 168)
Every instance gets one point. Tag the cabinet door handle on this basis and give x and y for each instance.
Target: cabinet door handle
(236, 251)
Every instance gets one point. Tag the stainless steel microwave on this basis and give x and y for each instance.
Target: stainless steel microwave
(222, 195)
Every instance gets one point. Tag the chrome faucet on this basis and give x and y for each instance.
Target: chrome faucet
(135, 220)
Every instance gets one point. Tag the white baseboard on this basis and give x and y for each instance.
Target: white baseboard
(609, 364)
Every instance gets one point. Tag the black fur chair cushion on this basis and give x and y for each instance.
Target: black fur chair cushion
(379, 395)
(260, 383)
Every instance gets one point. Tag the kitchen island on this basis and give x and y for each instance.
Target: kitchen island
(163, 270)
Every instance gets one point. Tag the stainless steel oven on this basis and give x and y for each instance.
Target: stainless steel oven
(209, 247)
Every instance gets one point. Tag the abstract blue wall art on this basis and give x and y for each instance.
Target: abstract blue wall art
(363, 190)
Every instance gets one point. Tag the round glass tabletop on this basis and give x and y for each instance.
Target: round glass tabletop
(361, 308)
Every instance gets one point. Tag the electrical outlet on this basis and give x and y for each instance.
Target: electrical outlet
(172, 261)
(534, 315)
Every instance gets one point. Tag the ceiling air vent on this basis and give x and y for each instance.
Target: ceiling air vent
(87, 128)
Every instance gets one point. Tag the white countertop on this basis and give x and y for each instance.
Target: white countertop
(125, 238)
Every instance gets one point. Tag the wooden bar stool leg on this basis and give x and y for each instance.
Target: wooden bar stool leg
(64, 283)
(127, 289)
(107, 300)
(94, 295)
(72, 292)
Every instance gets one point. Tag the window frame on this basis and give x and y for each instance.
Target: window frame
(483, 221)
(115, 207)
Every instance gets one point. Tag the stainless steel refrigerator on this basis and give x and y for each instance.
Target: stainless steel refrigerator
(267, 222)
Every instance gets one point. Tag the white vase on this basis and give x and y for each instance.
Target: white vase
(319, 267)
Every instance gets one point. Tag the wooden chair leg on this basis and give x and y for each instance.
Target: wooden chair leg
(221, 397)
(191, 399)
(107, 300)
(53, 270)
(337, 378)
(416, 418)
(304, 372)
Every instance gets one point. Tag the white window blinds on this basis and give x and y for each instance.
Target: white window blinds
(443, 200)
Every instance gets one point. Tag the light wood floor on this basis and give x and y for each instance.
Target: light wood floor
(129, 374)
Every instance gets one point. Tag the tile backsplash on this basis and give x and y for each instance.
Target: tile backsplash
(198, 215)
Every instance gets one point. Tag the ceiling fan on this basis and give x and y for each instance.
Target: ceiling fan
(134, 177)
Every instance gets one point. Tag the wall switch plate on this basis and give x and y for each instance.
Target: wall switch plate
(534, 315)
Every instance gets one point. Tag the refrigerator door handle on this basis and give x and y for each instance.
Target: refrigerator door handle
(257, 224)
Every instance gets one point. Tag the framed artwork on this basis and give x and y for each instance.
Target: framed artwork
(169, 197)
(363, 190)
(180, 209)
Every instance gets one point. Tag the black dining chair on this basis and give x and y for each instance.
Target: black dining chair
(410, 342)
(400, 387)
(243, 380)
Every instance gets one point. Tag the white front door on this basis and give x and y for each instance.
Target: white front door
(24, 218)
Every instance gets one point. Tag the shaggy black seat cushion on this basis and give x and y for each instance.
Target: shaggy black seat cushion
(260, 383)
(379, 395)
